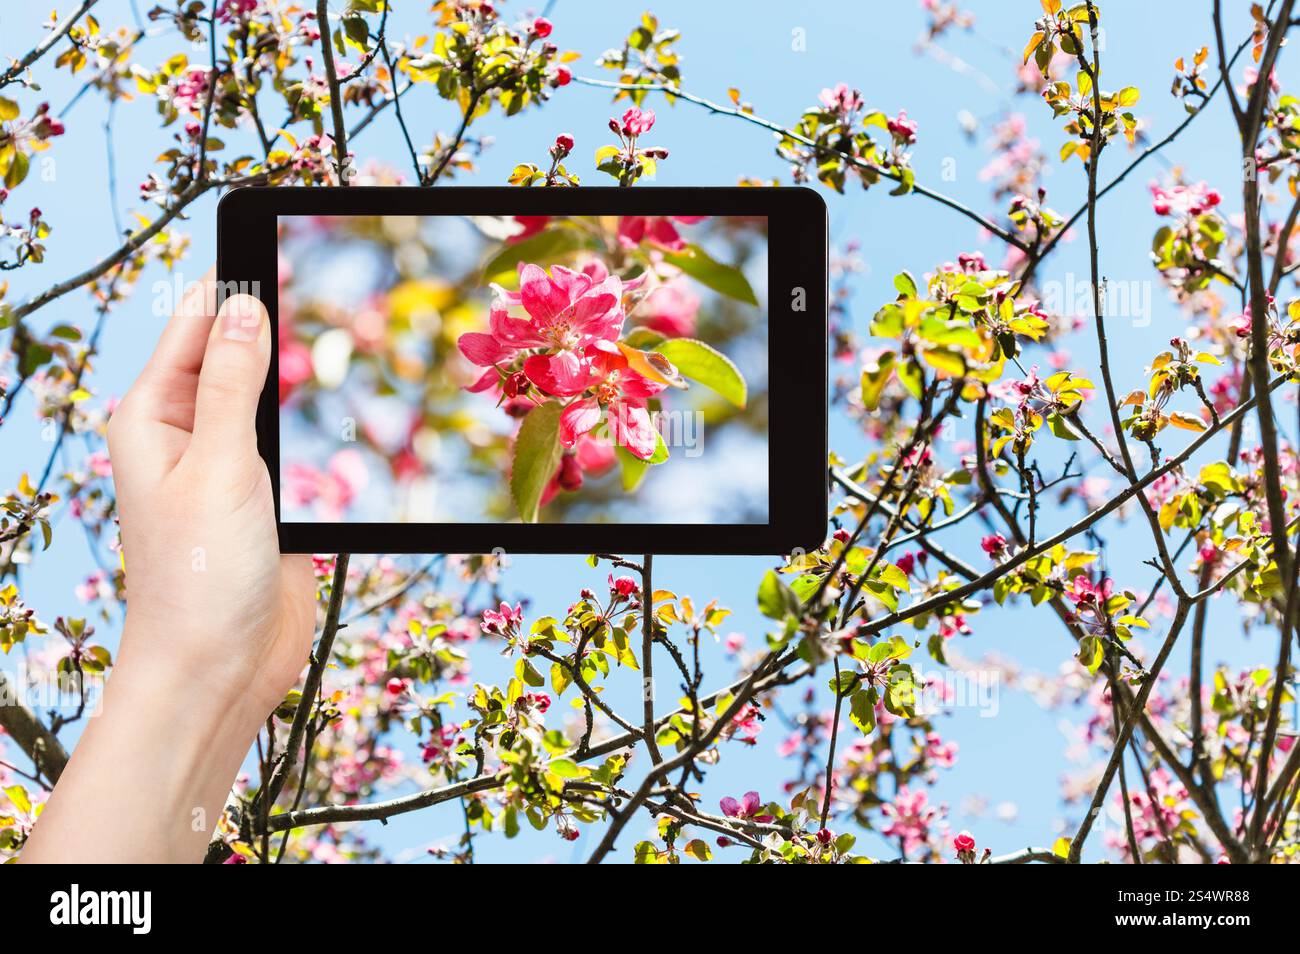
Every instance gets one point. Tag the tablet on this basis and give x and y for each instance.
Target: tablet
(544, 370)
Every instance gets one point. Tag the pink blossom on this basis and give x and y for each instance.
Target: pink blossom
(1082, 592)
(902, 128)
(908, 818)
(745, 809)
(623, 585)
(670, 309)
(1184, 199)
(637, 121)
(655, 229)
(99, 465)
(530, 225)
(190, 89)
(332, 490)
(995, 544)
(95, 587)
(230, 10)
(294, 367)
(841, 99)
(619, 395)
(563, 145)
(567, 312)
(942, 754)
(541, 28)
(503, 621)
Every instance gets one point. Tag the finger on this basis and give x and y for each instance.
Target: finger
(166, 389)
(231, 379)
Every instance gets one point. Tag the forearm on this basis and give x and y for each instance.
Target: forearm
(149, 777)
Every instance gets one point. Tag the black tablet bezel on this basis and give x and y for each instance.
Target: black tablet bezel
(797, 349)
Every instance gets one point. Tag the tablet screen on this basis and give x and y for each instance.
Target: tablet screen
(571, 369)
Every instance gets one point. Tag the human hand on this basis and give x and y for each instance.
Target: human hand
(218, 624)
(211, 601)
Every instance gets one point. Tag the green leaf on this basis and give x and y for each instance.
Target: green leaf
(862, 709)
(697, 361)
(724, 279)
(699, 849)
(537, 454)
(775, 599)
(566, 768)
(1057, 424)
(633, 468)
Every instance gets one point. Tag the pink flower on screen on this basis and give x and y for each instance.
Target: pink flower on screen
(529, 225)
(620, 398)
(331, 491)
(670, 309)
(566, 312)
(660, 230)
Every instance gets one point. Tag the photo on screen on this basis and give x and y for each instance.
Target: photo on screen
(582, 369)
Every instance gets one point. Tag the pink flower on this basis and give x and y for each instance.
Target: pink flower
(503, 621)
(440, 748)
(841, 99)
(567, 311)
(623, 585)
(99, 464)
(529, 225)
(541, 28)
(842, 536)
(619, 396)
(294, 366)
(332, 490)
(670, 309)
(230, 10)
(965, 846)
(1083, 593)
(95, 587)
(637, 121)
(1184, 199)
(655, 229)
(191, 89)
(906, 563)
(908, 818)
(563, 144)
(562, 76)
(995, 544)
(942, 754)
(902, 128)
(745, 809)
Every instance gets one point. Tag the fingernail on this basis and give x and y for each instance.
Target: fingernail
(241, 318)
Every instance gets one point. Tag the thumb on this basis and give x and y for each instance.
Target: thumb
(233, 374)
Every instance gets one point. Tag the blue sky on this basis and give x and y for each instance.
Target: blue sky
(1014, 757)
